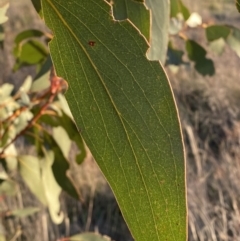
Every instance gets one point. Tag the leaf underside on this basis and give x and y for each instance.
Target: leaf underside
(124, 107)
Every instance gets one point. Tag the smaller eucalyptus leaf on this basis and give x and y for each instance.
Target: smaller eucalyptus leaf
(8, 187)
(62, 139)
(45, 68)
(37, 6)
(3, 176)
(51, 187)
(42, 83)
(30, 171)
(175, 26)
(64, 105)
(24, 35)
(238, 5)
(3, 134)
(89, 237)
(4, 5)
(5, 91)
(233, 40)
(2, 36)
(60, 167)
(24, 99)
(31, 52)
(197, 54)
(178, 7)
(10, 154)
(217, 46)
(26, 86)
(23, 120)
(215, 32)
(22, 213)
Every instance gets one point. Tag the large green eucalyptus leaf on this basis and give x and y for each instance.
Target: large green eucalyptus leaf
(157, 34)
(135, 11)
(124, 107)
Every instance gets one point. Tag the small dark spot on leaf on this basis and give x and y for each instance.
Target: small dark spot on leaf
(91, 43)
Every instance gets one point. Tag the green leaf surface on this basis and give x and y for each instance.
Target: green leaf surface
(178, 7)
(8, 187)
(160, 11)
(60, 167)
(136, 12)
(89, 237)
(157, 33)
(124, 106)
(233, 40)
(217, 46)
(37, 6)
(197, 54)
(215, 32)
(30, 171)
(67, 123)
(46, 67)
(62, 139)
(2, 36)
(29, 53)
(41, 83)
(51, 187)
(238, 5)
(38, 175)
(11, 157)
(30, 33)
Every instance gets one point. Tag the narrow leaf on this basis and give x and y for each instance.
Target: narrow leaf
(124, 106)
(62, 139)
(30, 171)
(21, 213)
(52, 189)
(60, 167)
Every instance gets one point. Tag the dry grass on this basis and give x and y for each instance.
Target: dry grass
(209, 110)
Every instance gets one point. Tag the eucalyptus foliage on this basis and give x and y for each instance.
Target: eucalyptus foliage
(109, 58)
